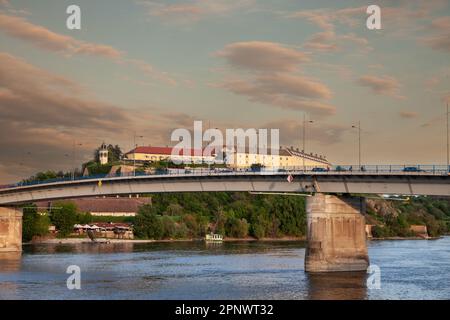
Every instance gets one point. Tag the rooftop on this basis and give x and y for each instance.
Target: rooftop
(130, 205)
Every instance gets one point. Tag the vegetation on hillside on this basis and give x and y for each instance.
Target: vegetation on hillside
(239, 214)
(63, 216)
(233, 214)
(394, 218)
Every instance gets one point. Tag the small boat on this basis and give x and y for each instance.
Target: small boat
(213, 237)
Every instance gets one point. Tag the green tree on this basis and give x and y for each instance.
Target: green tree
(114, 153)
(174, 209)
(64, 216)
(191, 224)
(85, 218)
(169, 227)
(34, 224)
(236, 228)
(147, 224)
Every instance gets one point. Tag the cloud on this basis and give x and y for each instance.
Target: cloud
(326, 19)
(438, 42)
(42, 113)
(328, 40)
(297, 86)
(274, 78)
(262, 56)
(193, 10)
(32, 95)
(403, 18)
(439, 37)
(408, 114)
(323, 133)
(384, 85)
(50, 41)
(284, 91)
(322, 41)
(445, 97)
(20, 28)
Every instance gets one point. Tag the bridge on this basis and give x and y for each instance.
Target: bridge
(335, 215)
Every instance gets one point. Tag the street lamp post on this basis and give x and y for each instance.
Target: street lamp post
(359, 143)
(448, 145)
(304, 139)
(75, 144)
(134, 154)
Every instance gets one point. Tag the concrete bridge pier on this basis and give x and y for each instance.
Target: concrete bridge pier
(10, 229)
(336, 235)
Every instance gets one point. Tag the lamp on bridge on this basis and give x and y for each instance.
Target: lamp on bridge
(359, 142)
(304, 138)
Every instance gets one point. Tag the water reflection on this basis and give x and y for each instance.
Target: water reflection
(10, 261)
(231, 270)
(337, 286)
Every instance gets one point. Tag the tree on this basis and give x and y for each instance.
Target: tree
(114, 153)
(174, 209)
(95, 168)
(169, 227)
(47, 175)
(236, 228)
(147, 224)
(64, 216)
(191, 224)
(84, 218)
(34, 224)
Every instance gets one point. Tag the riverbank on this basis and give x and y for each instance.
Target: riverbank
(252, 239)
(406, 238)
(104, 240)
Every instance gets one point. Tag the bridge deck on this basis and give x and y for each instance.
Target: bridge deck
(411, 183)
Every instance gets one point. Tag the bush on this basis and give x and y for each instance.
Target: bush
(258, 230)
(192, 225)
(236, 228)
(380, 232)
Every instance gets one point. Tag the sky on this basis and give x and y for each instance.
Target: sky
(147, 67)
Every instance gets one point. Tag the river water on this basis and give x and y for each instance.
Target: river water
(409, 269)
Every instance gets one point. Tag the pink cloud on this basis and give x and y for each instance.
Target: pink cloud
(275, 81)
(262, 56)
(284, 91)
(20, 28)
(408, 114)
(48, 40)
(439, 39)
(194, 10)
(384, 85)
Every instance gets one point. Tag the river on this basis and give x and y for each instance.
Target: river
(409, 269)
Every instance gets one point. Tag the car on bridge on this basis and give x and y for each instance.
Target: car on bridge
(412, 169)
(319, 169)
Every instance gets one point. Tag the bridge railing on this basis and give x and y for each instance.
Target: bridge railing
(335, 169)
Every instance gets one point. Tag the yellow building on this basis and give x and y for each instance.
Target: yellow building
(288, 158)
